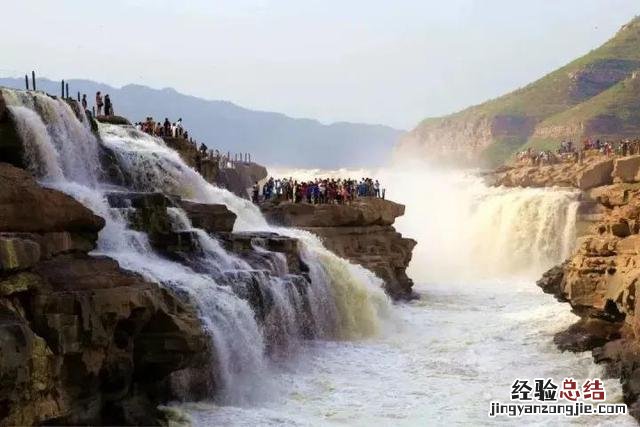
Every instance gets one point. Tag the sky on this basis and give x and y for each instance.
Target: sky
(392, 62)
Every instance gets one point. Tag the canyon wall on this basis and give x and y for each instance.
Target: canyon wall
(600, 280)
(361, 232)
(83, 341)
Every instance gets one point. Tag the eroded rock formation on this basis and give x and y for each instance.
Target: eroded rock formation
(81, 340)
(361, 232)
(593, 171)
(600, 280)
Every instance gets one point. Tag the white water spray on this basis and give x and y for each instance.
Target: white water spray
(64, 153)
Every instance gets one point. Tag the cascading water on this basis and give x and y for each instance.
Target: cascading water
(481, 322)
(476, 232)
(347, 298)
(64, 153)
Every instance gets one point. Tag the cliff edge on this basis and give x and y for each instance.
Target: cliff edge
(361, 232)
(600, 279)
(82, 340)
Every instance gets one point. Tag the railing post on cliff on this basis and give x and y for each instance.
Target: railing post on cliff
(62, 89)
(78, 96)
(67, 87)
(26, 81)
(33, 80)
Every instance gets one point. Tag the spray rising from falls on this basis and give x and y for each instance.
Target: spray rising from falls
(467, 230)
(339, 301)
(348, 293)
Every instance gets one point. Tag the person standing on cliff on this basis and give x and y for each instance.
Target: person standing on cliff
(108, 107)
(84, 102)
(99, 103)
(256, 193)
(179, 126)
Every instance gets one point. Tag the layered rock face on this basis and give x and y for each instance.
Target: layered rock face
(11, 150)
(82, 341)
(86, 342)
(593, 171)
(361, 232)
(600, 280)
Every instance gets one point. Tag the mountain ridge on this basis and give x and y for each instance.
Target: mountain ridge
(490, 132)
(272, 138)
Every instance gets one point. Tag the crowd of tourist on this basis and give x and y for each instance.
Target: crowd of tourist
(318, 191)
(571, 152)
(166, 129)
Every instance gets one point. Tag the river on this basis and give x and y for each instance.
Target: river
(480, 322)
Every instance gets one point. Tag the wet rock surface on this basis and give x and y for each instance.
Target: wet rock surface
(211, 218)
(48, 210)
(361, 232)
(81, 340)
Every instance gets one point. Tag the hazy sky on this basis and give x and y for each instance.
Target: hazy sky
(392, 62)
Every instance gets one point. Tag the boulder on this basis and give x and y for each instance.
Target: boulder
(211, 218)
(137, 200)
(18, 254)
(551, 282)
(244, 244)
(587, 334)
(114, 120)
(362, 212)
(11, 149)
(627, 169)
(596, 175)
(48, 210)
(89, 343)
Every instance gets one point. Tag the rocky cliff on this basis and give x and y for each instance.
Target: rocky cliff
(82, 341)
(361, 231)
(85, 341)
(600, 280)
(594, 96)
(594, 171)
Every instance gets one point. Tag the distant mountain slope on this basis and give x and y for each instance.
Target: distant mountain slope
(271, 138)
(490, 132)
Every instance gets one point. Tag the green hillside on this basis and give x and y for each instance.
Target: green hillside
(621, 101)
(595, 85)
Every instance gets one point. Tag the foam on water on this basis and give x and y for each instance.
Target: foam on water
(63, 151)
(481, 322)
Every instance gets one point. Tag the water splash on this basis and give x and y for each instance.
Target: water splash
(64, 153)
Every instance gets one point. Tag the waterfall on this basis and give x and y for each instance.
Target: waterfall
(467, 230)
(345, 300)
(342, 291)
